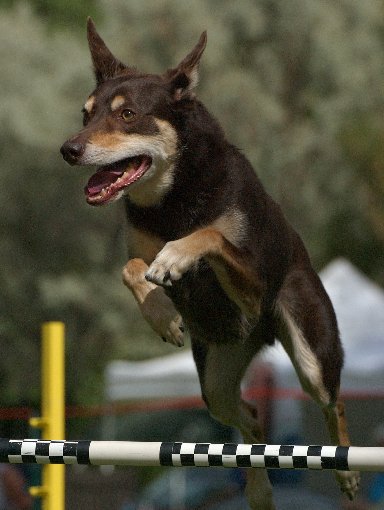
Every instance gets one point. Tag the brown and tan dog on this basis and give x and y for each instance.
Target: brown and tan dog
(209, 248)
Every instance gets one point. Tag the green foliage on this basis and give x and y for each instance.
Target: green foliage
(61, 14)
(297, 86)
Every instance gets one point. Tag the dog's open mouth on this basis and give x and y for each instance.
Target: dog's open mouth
(111, 179)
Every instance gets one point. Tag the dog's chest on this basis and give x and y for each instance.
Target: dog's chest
(206, 310)
(143, 245)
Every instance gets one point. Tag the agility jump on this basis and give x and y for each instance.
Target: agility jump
(132, 453)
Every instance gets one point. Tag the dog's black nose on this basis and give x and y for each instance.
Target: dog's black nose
(72, 151)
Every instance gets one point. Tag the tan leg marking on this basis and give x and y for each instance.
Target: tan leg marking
(349, 481)
(156, 307)
(310, 374)
(303, 359)
(337, 424)
(229, 264)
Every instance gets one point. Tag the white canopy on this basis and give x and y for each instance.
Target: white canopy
(166, 377)
(359, 306)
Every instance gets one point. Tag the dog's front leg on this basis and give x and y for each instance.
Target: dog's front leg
(157, 308)
(230, 264)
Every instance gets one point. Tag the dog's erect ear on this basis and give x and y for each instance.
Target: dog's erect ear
(105, 64)
(185, 76)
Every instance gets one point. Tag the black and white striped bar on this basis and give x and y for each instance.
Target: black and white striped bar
(129, 453)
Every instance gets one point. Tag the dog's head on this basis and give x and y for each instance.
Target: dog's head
(128, 131)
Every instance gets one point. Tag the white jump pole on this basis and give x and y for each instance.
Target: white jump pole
(130, 453)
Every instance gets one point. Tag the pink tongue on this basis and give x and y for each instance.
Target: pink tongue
(102, 179)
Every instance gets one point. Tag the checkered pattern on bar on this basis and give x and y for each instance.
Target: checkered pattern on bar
(44, 451)
(185, 454)
(257, 455)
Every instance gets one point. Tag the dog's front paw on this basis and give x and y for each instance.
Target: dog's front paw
(159, 311)
(174, 333)
(170, 264)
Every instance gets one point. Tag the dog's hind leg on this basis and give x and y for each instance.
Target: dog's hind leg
(221, 368)
(157, 308)
(309, 334)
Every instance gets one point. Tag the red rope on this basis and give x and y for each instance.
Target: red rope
(24, 413)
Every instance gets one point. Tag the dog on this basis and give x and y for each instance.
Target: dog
(208, 247)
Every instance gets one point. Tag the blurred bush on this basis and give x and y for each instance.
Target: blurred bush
(297, 86)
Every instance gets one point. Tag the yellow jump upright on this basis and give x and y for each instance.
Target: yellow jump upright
(52, 490)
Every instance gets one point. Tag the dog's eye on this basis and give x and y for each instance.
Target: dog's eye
(127, 115)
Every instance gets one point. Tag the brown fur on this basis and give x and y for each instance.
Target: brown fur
(208, 246)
